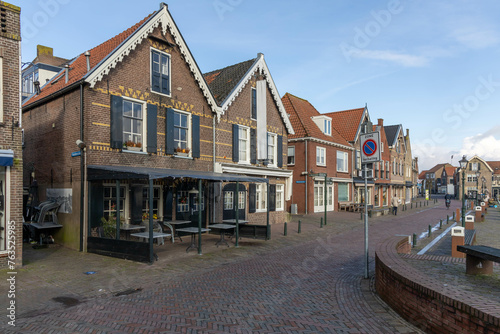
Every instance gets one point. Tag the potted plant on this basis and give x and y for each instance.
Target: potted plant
(183, 152)
(132, 146)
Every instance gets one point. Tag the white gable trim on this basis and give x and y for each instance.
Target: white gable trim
(162, 16)
(483, 161)
(261, 67)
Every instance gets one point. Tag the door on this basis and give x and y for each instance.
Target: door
(231, 200)
(319, 196)
(329, 197)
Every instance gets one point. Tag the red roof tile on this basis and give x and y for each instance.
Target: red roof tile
(78, 68)
(421, 176)
(347, 122)
(495, 165)
(301, 113)
(450, 170)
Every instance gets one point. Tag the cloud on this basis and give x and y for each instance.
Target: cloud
(474, 38)
(391, 56)
(485, 146)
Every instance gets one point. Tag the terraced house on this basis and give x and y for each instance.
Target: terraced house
(153, 142)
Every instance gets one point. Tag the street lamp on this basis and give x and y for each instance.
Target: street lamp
(463, 166)
(478, 174)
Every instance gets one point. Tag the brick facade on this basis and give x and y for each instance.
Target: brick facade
(11, 138)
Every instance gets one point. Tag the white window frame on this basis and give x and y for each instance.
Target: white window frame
(320, 156)
(169, 71)
(272, 147)
(143, 121)
(345, 164)
(145, 208)
(280, 197)
(228, 200)
(189, 129)
(124, 208)
(288, 155)
(327, 127)
(261, 197)
(245, 129)
(182, 207)
(319, 196)
(241, 200)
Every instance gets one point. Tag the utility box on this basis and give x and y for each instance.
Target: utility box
(457, 239)
(294, 209)
(469, 222)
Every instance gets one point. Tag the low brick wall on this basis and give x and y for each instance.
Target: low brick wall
(426, 302)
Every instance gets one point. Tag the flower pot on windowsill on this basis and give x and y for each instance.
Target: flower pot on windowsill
(182, 154)
(132, 148)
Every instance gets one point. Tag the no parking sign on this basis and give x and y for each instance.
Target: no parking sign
(370, 147)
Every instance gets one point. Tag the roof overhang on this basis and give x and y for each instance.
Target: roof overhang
(101, 172)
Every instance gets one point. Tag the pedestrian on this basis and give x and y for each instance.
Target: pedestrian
(395, 203)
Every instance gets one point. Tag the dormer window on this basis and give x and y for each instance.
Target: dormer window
(324, 123)
(327, 127)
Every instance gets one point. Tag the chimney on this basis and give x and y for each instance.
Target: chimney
(44, 50)
(66, 73)
(407, 132)
(380, 122)
(37, 87)
(87, 57)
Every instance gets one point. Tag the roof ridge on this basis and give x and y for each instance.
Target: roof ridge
(229, 66)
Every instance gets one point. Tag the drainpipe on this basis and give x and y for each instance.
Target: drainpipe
(307, 171)
(213, 143)
(82, 173)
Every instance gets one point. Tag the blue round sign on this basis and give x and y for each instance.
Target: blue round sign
(369, 147)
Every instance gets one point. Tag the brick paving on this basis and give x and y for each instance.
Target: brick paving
(302, 283)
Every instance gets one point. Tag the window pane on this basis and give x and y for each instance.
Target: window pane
(137, 110)
(177, 119)
(127, 108)
(164, 64)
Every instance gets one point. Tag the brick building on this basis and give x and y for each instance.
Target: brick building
(252, 140)
(11, 166)
(143, 117)
(382, 171)
(317, 148)
(397, 147)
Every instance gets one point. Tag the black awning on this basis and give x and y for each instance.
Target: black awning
(95, 172)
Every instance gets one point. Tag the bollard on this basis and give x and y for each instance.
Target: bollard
(300, 227)
(414, 240)
(447, 219)
(285, 231)
(453, 218)
(420, 204)
(321, 222)
(430, 231)
(411, 205)
(440, 224)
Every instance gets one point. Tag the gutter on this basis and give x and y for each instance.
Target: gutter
(60, 92)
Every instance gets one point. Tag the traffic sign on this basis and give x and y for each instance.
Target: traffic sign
(370, 147)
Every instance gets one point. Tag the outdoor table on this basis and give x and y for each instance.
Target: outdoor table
(233, 221)
(145, 235)
(174, 223)
(193, 231)
(43, 226)
(129, 228)
(222, 228)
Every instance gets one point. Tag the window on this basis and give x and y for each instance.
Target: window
(377, 199)
(358, 159)
(291, 155)
(110, 201)
(280, 196)
(195, 204)
(132, 124)
(342, 162)
(261, 197)
(381, 146)
(271, 148)
(244, 144)
(254, 103)
(320, 156)
(160, 72)
(241, 200)
(384, 195)
(182, 201)
(387, 170)
(343, 191)
(475, 166)
(328, 127)
(228, 200)
(156, 201)
(319, 195)
(181, 131)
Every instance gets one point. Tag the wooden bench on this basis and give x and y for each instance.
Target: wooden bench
(253, 231)
(479, 259)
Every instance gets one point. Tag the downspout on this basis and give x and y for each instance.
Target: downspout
(307, 171)
(213, 143)
(20, 89)
(82, 173)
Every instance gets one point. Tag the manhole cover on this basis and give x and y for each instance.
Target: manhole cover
(67, 301)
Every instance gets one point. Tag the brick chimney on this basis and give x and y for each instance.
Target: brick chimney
(380, 122)
(44, 51)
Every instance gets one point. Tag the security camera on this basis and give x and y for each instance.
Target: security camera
(80, 144)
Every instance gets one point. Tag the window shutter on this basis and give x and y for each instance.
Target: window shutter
(155, 76)
(236, 149)
(252, 190)
(478, 166)
(272, 197)
(116, 122)
(253, 146)
(195, 136)
(152, 128)
(169, 131)
(280, 151)
(470, 167)
(165, 78)
(254, 103)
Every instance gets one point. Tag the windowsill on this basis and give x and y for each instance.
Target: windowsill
(341, 171)
(181, 157)
(136, 152)
(320, 165)
(155, 92)
(261, 211)
(279, 210)
(245, 163)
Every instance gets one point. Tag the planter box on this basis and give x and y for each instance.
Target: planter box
(180, 154)
(130, 148)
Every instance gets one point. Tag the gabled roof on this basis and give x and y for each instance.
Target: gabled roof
(348, 122)
(495, 166)
(438, 167)
(107, 55)
(422, 174)
(450, 170)
(482, 160)
(392, 132)
(301, 113)
(227, 83)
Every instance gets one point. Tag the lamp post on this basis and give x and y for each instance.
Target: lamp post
(463, 166)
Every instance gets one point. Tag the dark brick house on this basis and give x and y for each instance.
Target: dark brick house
(251, 140)
(144, 119)
(11, 167)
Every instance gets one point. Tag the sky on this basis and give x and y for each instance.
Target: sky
(431, 66)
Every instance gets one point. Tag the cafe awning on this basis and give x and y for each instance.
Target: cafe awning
(6, 157)
(101, 172)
